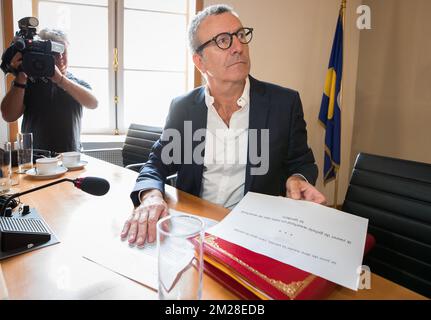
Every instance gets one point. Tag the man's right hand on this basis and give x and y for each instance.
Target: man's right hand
(12, 105)
(140, 227)
(15, 63)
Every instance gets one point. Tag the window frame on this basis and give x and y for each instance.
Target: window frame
(8, 33)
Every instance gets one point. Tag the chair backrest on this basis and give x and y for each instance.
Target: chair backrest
(139, 141)
(395, 195)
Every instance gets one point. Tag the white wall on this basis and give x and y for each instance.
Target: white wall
(393, 92)
(3, 124)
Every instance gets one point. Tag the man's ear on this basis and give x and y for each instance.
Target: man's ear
(198, 61)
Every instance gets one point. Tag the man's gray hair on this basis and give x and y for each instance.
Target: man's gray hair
(54, 35)
(200, 17)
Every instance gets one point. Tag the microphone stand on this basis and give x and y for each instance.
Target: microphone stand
(19, 194)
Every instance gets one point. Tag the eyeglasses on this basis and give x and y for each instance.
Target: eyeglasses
(224, 40)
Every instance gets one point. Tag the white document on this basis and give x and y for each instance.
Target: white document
(3, 288)
(131, 262)
(323, 241)
(177, 259)
(138, 264)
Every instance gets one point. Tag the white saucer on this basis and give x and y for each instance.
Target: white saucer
(81, 164)
(58, 172)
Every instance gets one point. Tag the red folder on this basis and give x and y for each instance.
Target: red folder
(254, 276)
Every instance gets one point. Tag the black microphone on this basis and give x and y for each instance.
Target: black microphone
(91, 185)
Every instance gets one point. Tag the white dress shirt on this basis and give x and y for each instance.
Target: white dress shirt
(226, 148)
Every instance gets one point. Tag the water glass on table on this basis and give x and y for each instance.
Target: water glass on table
(5, 167)
(25, 151)
(180, 257)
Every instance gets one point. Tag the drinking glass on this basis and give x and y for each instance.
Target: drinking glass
(25, 151)
(5, 167)
(180, 257)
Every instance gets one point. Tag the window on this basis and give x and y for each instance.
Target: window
(148, 38)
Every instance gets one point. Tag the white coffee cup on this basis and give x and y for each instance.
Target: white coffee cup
(46, 166)
(71, 159)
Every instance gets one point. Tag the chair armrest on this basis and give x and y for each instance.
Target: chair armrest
(134, 165)
(171, 177)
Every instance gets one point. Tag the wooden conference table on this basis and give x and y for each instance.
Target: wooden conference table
(60, 272)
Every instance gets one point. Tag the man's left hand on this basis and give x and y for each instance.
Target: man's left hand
(299, 189)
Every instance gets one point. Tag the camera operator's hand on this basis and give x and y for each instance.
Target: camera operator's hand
(16, 63)
(60, 67)
(61, 63)
(12, 105)
(81, 94)
(58, 76)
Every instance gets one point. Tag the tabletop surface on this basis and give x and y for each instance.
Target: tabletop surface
(60, 271)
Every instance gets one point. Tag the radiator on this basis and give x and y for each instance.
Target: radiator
(111, 155)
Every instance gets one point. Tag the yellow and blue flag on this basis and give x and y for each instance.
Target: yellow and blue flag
(330, 112)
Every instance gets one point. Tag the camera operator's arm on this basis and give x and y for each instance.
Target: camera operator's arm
(78, 92)
(12, 105)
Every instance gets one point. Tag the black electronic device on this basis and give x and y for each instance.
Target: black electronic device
(38, 56)
(24, 232)
(18, 233)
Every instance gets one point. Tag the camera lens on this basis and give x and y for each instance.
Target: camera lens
(38, 65)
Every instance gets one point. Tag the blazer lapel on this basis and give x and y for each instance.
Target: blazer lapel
(258, 119)
(199, 121)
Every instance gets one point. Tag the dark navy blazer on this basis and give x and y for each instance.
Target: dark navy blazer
(271, 107)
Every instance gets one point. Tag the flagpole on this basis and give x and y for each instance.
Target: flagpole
(343, 11)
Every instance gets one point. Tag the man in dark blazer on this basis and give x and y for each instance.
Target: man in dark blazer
(258, 122)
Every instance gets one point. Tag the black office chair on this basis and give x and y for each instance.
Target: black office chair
(395, 195)
(137, 147)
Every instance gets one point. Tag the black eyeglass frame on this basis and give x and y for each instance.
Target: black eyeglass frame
(213, 39)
